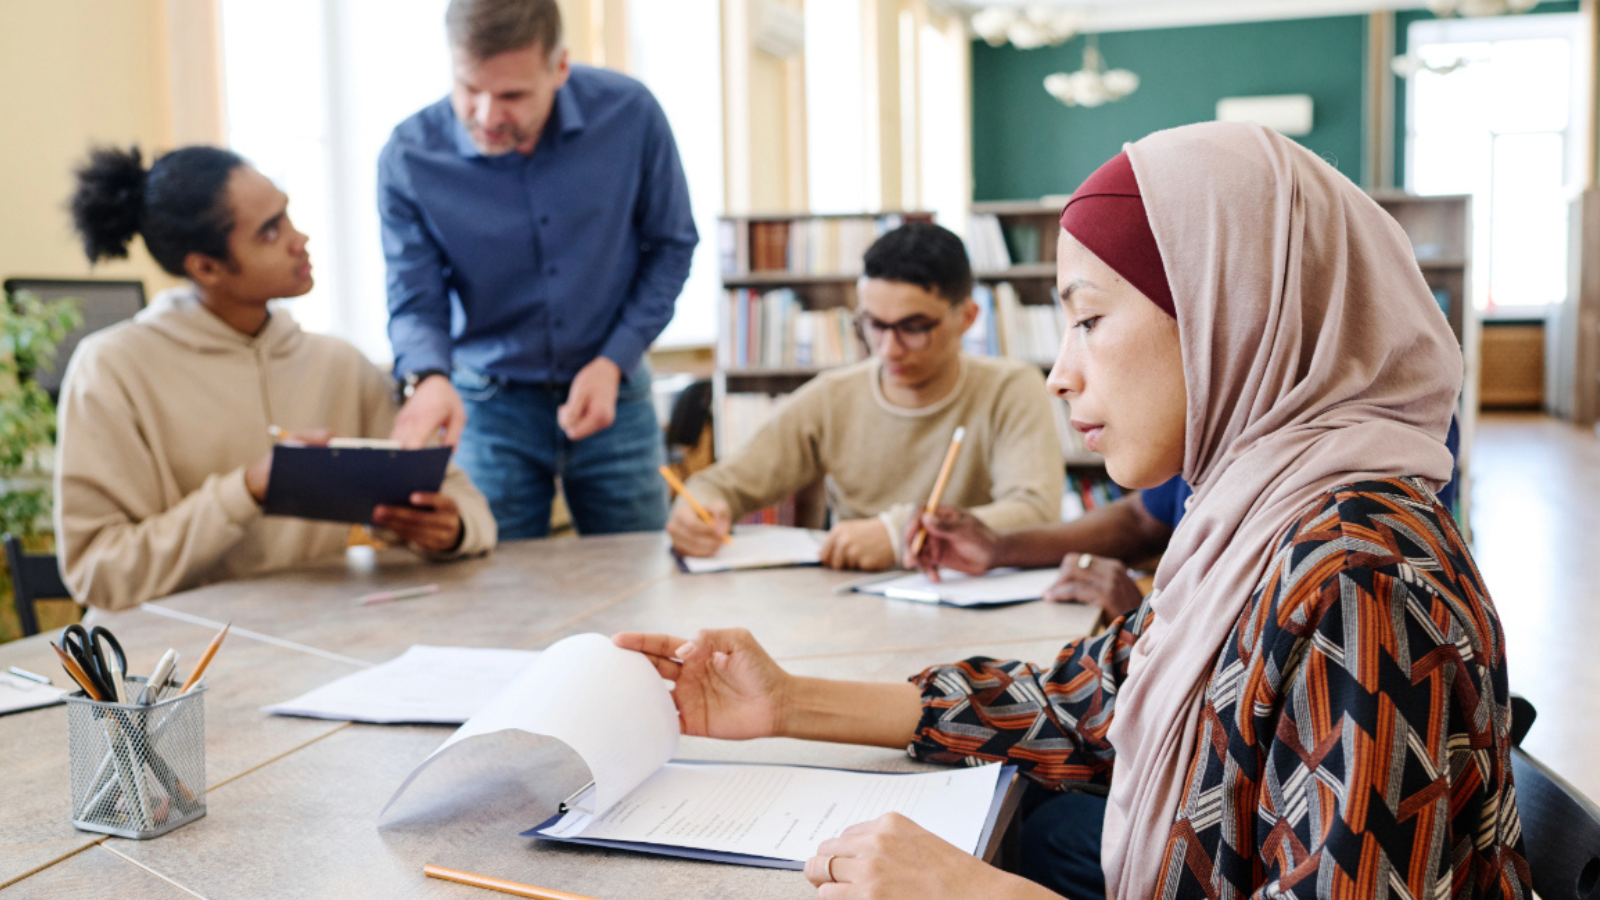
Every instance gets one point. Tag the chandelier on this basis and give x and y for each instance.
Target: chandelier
(1026, 29)
(1469, 8)
(1410, 64)
(1093, 84)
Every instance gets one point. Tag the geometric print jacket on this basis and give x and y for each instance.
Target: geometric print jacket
(1355, 737)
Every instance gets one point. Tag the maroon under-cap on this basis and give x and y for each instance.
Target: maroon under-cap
(1106, 214)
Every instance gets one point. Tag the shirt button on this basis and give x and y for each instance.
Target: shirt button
(553, 270)
(544, 220)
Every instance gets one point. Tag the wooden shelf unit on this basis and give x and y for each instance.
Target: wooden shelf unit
(1440, 230)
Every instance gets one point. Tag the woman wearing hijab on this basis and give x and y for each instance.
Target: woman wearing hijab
(1313, 701)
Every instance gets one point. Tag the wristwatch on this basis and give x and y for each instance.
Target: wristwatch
(408, 386)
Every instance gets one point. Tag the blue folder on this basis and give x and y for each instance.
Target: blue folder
(344, 484)
(1003, 785)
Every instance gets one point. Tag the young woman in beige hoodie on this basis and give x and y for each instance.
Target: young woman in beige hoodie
(163, 452)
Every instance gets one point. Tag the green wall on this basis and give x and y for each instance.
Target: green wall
(1025, 143)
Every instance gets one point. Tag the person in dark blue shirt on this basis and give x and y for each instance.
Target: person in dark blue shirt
(537, 232)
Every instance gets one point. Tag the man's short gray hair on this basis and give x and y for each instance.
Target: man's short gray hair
(486, 28)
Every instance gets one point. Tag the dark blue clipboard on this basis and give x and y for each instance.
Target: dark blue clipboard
(1003, 786)
(344, 484)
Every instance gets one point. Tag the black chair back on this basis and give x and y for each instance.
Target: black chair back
(102, 303)
(33, 577)
(1560, 831)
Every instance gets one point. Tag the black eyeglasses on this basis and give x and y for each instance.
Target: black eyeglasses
(912, 332)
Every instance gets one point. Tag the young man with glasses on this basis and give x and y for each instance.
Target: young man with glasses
(878, 430)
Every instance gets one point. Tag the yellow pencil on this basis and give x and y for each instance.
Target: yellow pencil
(499, 884)
(701, 511)
(77, 673)
(205, 659)
(938, 486)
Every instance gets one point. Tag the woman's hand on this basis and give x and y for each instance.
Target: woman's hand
(892, 857)
(1095, 581)
(727, 685)
(956, 540)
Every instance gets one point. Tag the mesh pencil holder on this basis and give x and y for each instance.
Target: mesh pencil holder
(137, 771)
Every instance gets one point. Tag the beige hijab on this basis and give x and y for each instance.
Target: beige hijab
(1315, 356)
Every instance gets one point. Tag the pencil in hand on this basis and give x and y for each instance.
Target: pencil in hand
(938, 488)
(704, 514)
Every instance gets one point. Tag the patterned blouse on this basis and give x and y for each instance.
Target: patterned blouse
(1356, 733)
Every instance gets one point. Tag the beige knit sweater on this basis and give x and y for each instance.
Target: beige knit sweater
(882, 460)
(159, 418)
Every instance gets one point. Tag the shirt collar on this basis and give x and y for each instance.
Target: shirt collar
(566, 114)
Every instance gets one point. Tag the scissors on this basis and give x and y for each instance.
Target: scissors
(87, 647)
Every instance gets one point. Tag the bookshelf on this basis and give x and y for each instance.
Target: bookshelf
(1440, 230)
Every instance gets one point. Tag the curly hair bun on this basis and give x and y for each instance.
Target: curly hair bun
(108, 201)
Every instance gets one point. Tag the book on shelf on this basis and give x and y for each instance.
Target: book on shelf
(1008, 327)
(995, 245)
(986, 243)
(774, 330)
(803, 245)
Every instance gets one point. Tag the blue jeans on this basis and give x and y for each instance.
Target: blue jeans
(514, 451)
(1061, 842)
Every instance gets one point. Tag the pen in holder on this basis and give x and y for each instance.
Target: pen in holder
(137, 771)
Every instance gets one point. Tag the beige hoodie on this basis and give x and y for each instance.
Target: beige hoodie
(159, 418)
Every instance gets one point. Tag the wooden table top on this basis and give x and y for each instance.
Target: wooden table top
(292, 803)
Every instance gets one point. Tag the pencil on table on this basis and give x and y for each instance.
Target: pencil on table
(205, 659)
(704, 514)
(499, 884)
(938, 486)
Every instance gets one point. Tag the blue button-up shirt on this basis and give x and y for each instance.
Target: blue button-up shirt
(530, 267)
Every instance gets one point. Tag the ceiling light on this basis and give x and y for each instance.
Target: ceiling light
(1026, 29)
(1093, 84)
(1472, 8)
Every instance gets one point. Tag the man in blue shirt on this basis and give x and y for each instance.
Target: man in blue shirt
(537, 231)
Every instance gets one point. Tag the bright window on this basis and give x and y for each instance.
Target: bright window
(676, 51)
(313, 89)
(1501, 127)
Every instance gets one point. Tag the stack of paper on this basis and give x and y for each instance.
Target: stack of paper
(994, 588)
(761, 547)
(18, 694)
(443, 685)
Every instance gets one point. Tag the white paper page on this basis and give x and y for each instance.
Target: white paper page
(761, 547)
(17, 694)
(446, 685)
(997, 586)
(608, 704)
(784, 812)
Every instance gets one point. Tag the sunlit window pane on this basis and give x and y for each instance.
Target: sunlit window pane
(1530, 85)
(1498, 128)
(836, 137)
(1529, 238)
(677, 53)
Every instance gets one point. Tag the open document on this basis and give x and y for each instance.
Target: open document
(18, 694)
(435, 685)
(616, 713)
(761, 547)
(995, 588)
